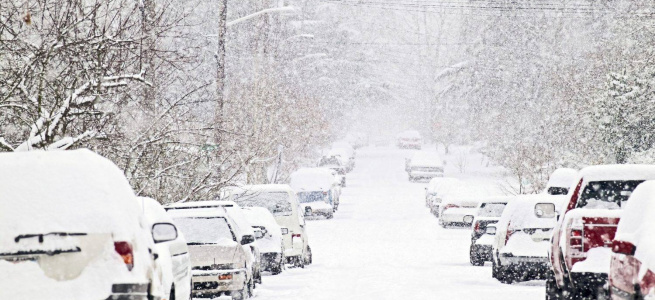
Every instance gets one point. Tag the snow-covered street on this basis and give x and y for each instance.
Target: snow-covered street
(384, 244)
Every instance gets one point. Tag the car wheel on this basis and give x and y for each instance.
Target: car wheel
(308, 259)
(299, 261)
(475, 258)
(553, 292)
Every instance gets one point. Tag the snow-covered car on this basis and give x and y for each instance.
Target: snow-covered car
(410, 139)
(632, 268)
(282, 202)
(316, 190)
(560, 181)
(333, 163)
(173, 263)
(580, 249)
(345, 146)
(243, 227)
(71, 228)
(520, 247)
(458, 210)
(425, 165)
(219, 257)
(437, 188)
(271, 245)
(488, 213)
(346, 156)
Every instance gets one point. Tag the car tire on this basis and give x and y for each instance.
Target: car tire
(308, 259)
(475, 258)
(553, 292)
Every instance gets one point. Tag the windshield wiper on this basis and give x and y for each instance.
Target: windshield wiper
(41, 235)
(41, 252)
(195, 244)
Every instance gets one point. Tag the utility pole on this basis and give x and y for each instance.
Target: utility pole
(220, 73)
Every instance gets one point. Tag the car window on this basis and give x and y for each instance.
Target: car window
(553, 190)
(494, 210)
(606, 194)
(307, 197)
(278, 203)
(205, 230)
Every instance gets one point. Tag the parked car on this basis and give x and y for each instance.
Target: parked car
(632, 268)
(271, 244)
(560, 181)
(173, 263)
(282, 202)
(219, 258)
(410, 139)
(349, 149)
(334, 163)
(458, 209)
(242, 226)
(520, 247)
(488, 213)
(438, 187)
(580, 249)
(72, 228)
(316, 190)
(425, 165)
(346, 156)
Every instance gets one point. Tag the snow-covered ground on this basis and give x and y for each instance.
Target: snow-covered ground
(384, 244)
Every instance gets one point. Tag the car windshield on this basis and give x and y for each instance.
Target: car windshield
(494, 210)
(606, 194)
(205, 230)
(276, 202)
(329, 161)
(306, 197)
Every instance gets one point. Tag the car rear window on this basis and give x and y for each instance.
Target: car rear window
(494, 210)
(606, 194)
(277, 203)
(205, 230)
(307, 197)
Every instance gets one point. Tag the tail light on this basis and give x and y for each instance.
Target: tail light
(296, 235)
(622, 247)
(450, 206)
(476, 228)
(647, 284)
(324, 193)
(124, 249)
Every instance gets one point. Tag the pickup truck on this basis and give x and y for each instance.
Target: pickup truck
(580, 249)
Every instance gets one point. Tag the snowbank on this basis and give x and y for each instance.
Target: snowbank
(598, 261)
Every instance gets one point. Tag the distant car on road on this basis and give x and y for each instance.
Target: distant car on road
(317, 191)
(520, 248)
(410, 139)
(458, 210)
(632, 268)
(333, 163)
(489, 212)
(72, 228)
(437, 189)
(425, 165)
(345, 155)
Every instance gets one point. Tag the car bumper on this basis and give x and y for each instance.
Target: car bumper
(590, 282)
(482, 251)
(537, 263)
(453, 219)
(129, 291)
(422, 174)
(206, 282)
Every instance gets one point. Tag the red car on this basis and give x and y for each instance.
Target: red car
(632, 269)
(580, 248)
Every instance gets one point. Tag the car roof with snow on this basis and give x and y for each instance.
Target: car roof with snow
(65, 191)
(521, 211)
(427, 158)
(199, 213)
(437, 182)
(618, 172)
(201, 204)
(499, 199)
(153, 211)
(312, 179)
(259, 216)
(562, 177)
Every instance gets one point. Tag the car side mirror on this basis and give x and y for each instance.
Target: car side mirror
(490, 230)
(285, 231)
(308, 211)
(163, 232)
(247, 239)
(259, 234)
(545, 210)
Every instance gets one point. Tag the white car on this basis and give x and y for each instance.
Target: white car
(436, 191)
(271, 244)
(347, 156)
(520, 248)
(243, 227)
(410, 139)
(282, 202)
(560, 181)
(425, 165)
(220, 261)
(316, 190)
(71, 228)
(458, 210)
(173, 263)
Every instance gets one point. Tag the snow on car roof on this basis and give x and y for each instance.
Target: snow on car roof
(637, 224)
(260, 216)
(74, 191)
(437, 182)
(618, 172)
(503, 199)
(201, 204)
(312, 179)
(562, 177)
(426, 158)
(153, 211)
(198, 213)
(521, 211)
